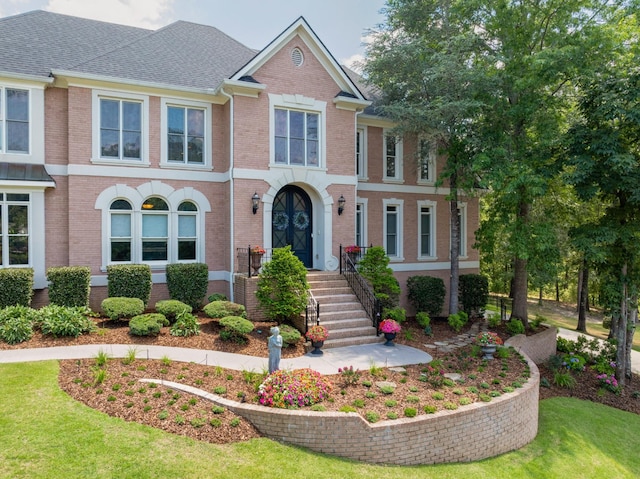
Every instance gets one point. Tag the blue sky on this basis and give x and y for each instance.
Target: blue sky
(340, 24)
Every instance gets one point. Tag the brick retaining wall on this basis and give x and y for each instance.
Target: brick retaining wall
(471, 433)
(538, 347)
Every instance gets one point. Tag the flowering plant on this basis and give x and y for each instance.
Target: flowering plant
(293, 389)
(317, 333)
(258, 250)
(488, 339)
(350, 376)
(609, 382)
(352, 249)
(389, 326)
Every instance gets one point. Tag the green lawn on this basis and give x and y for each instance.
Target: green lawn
(45, 434)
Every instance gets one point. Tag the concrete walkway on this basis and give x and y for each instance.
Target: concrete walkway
(573, 335)
(360, 357)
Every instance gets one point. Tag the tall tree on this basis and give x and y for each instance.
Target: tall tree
(423, 60)
(604, 153)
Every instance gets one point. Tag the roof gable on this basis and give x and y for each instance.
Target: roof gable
(302, 29)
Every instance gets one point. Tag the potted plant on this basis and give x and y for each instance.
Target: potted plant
(489, 342)
(317, 335)
(256, 257)
(389, 328)
(353, 251)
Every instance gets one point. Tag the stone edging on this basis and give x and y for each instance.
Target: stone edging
(471, 433)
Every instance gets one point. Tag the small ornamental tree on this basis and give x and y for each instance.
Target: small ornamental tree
(374, 267)
(282, 286)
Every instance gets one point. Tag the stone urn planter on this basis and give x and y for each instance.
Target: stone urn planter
(256, 262)
(489, 350)
(317, 347)
(389, 337)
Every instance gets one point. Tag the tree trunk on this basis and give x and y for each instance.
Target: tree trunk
(623, 355)
(520, 276)
(557, 291)
(583, 294)
(455, 248)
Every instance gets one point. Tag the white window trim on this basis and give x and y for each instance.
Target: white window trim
(432, 246)
(136, 197)
(462, 207)
(306, 105)
(431, 167)
(97, 95)
(361, 163)
(364, 204)
(400, 237)
(208, 134)
(35, 155)
(398, 178)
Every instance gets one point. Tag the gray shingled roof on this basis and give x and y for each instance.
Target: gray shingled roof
(24, 172)
(182, 54)
(37, 42)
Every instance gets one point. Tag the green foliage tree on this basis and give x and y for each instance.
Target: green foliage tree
(282, 286)
(374, 267)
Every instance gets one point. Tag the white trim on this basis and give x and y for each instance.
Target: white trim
(136, 196)
(207, 154)
(398, 176)
(114, 171)
(388, 187)
(303, 104)
(364, 207)
(433, 233)
(96, 96)
(399, 205)
(362, 162)
(439, 266)
(36, 150)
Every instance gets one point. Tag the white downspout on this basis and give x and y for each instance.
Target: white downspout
(231, 191)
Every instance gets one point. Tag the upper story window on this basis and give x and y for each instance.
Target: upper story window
(392, 158)
(297, 137)
(120, 130)
(361, 153)
(427, 162)
(462, 215)
(14, 120)
(185, 135)
(14, 229)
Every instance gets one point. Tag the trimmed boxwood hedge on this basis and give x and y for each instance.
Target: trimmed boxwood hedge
(121, 308)
(147, 324)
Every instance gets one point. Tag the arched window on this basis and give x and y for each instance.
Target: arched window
(121, 231)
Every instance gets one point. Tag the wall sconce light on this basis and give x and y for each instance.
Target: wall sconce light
(341, 202)
(255, 202)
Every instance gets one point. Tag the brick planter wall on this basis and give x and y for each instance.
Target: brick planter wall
(471, 433)
(538, 347)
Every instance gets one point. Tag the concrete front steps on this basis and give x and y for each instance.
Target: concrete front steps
(340, 311)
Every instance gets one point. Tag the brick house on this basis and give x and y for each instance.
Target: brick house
(125, 145)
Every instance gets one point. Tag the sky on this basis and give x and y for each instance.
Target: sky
(342, 25)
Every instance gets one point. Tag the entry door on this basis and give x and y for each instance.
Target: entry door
(291, 223)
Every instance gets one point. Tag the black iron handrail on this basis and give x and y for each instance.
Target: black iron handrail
(312, 311)
(359, 285)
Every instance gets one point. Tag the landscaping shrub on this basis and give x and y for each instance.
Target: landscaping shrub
(188, 282)
(122, 308)
(474, 293)
(186, 325)
(291, 389)
(65, 321)
(217, 297)
(458, 320)
(282, 286)
(129, 281)
(374, 267)
(423, 319)
(220, 309)
(69, 285)
(16, 286)
(397, 314)
(147, 324)
(515, 326)
(426, 293)
(290, 335)
(16, 324)
(171, 308)
(235, 328)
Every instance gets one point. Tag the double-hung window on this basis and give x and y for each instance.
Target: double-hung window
(426, 229)
(14, 229)
(297, 137)
(14, 120)
(361, 221)
(361, 153)
(120, 129)
(155, 230)
(427, 162)
(392, 158)
(185, 135)
(392, 226)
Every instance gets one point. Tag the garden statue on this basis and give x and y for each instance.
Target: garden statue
(275, 345)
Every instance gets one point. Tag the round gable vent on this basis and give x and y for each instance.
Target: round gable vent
(296, 57)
